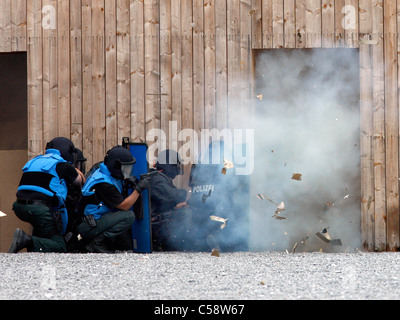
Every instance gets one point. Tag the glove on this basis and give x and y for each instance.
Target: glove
(131, 182)
(143, 184)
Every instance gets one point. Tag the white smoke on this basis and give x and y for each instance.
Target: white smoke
(306, 121)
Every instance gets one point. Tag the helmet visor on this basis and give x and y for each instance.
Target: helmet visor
(127, 170)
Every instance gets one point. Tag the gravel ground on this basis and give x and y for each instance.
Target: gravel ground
(200, 276)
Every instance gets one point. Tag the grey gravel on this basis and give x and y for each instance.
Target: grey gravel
(200, 276)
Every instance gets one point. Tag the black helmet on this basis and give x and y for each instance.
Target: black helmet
(66, 148)
(80, 161)
(120, 162)
(170, 162)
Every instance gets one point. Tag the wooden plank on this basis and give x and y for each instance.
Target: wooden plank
(76, 72)
(366, 130)
(35, 78)
(87, 107)
(221, 77)
(300, 24)
(289, 7)
(339, 22)
(245, 58)
(256, 22)
(18, 25)
(176, 84)
(111, 74)
(166, 72)
(277, 24)
(209, 67)
(379, 128)
(137, 71)
(328, 23)
(187, 85)
(352, 25)
(267, 32)
(152, 70)
(5, 26)
(64, 96)
(98, 79)
(198, 65)
(176, 73)
(234, 63)
(392, 125)
(123, 70)
(313, 23)
(50, 78)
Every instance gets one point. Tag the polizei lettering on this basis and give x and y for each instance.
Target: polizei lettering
(166, 310)
(204, 188)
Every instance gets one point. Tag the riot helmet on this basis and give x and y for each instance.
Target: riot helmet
(66, 147)
(80, 161)
(170, 162)
(119, 162)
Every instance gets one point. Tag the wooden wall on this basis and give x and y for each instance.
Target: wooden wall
(115, 68)
(12, 25)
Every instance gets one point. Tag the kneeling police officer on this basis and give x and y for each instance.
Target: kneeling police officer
(41, 197)
(105, 208)
(171, 217)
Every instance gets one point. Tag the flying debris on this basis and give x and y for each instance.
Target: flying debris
(264, 197)
(324, 236)
(227, 165)
(280, 208)
(297, 176)
(303, 242)
(2, 214)
(260, 196)
(219, 219)
(215, 253)
(260, 97)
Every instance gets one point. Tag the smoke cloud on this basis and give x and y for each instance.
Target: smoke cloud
(306, 121)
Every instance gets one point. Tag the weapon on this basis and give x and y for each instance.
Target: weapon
(130, 183)
(148, 175)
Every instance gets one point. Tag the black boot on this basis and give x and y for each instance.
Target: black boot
(20, 241)
(98, 245)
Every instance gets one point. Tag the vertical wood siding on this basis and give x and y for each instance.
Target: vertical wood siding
(115, 68)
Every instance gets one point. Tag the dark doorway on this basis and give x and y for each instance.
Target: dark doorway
(13, 101)
(308, 114)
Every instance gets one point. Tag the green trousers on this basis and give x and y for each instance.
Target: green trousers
(110, 225)
(45, 235)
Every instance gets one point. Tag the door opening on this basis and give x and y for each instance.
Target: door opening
(308, 153)
(13, 138)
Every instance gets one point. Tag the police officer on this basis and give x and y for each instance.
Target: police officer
(107, 212)
(73, 196)
(41, 197)
(80, 163)
(170, 213)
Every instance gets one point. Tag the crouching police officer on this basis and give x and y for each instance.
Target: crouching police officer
(41, 197)
(105, 209)
(171, 216)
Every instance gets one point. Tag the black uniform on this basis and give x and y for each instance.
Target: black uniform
(169, 225)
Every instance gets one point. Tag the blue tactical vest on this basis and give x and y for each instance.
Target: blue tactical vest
(52, 185)
(101, 175)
